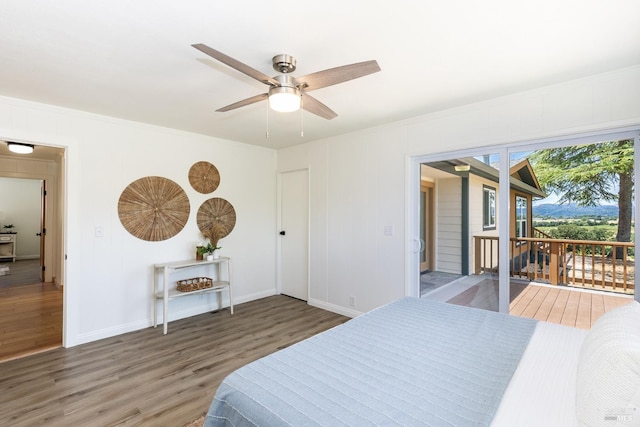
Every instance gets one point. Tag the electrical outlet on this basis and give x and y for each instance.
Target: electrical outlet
(352, 301)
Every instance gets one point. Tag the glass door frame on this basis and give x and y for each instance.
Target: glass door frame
(413, 189)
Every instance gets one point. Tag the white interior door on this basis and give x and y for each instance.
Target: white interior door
(294, 234)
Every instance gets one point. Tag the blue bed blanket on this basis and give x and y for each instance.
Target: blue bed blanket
(413, 362)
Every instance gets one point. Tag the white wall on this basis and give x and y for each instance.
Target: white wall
(20, 206)
(108, 284)
(359, 181)
(358, 185)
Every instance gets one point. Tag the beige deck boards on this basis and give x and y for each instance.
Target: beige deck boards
(555, 304)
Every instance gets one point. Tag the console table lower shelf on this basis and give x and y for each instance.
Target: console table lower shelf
(167, 293)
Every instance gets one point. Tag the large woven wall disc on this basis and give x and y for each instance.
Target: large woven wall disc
(204, 177)
(153, 208)
(217, 212)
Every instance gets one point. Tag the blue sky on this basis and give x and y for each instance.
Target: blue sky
(553, 198)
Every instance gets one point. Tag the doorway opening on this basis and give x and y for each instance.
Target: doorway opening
(31, 288)
(21, 239)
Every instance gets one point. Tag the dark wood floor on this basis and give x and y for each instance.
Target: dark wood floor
(146, 378)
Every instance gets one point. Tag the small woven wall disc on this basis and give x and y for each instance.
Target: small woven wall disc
(217, 212)
(153, 208)
(204, 177)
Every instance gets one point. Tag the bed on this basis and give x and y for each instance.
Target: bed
(416, 362)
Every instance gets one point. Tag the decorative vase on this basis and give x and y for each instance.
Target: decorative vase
(216, 254)
(199, 254)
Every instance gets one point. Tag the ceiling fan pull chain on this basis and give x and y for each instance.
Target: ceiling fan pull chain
(301, 116)
(267, 133)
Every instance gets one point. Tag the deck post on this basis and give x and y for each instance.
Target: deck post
(477, 255)
(554, 263)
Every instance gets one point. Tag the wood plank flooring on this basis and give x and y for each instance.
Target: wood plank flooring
(146, 378)
(575, 308)
(564, 306)
(30, 319)
(21, 272)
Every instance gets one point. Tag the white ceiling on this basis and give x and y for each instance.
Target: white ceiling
(134, 60)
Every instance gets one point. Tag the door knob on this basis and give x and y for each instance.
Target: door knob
(282, 233)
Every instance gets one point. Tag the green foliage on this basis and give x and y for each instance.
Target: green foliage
(590, 231)
(580, 232)
(584, 174)
(589, 174)
(208, 249)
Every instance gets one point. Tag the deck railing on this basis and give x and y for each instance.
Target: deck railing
(583, 263)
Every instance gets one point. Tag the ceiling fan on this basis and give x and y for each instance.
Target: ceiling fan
(288, 93)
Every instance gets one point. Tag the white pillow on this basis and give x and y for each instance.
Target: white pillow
(608, 381)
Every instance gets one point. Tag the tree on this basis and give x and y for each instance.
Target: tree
(588, 174)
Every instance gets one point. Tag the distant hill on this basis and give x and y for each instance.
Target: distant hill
(574, 211)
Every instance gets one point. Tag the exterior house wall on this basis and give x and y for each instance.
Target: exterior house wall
(512, 220)
(476, 218)
(520, 258)
(448, 228)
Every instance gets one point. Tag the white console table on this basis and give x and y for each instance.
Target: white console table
(168, 292)
(8, 240)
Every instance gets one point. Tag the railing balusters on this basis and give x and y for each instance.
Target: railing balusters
(583, 265)
(543, 258)
(613, 268)
(604, 271)
(593, 262)
(624, 270)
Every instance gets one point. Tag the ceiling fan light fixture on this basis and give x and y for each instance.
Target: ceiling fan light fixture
(20, 148)
(284, 99)
(285, 91)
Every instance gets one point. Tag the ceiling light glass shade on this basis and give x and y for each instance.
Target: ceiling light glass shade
(19, 148)
(284, 99)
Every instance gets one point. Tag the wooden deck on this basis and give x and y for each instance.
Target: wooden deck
(555, 304)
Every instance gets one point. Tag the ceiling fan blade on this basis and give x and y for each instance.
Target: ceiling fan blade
(316, 107)
(244, 102)
(236, 65)
(336, 75)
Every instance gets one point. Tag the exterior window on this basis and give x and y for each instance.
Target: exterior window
(521, 217)
(489, 208)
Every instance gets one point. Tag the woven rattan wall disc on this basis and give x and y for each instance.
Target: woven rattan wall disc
(204, 177)
(153, 208)
(216, 212)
